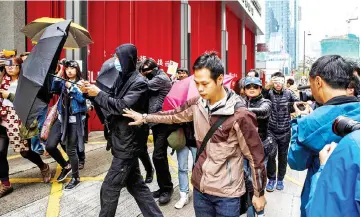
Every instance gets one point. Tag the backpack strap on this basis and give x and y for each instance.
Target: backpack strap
(209, 135)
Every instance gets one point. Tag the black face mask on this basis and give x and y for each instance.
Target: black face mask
(152, 74)
(149, 75)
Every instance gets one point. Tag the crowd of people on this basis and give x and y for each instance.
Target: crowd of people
(234, 136)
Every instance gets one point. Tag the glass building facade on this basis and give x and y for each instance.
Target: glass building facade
(347, 46)
(282, 28)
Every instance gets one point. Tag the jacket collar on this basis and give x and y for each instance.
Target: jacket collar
(256, 99)
(224, 108)
(341, 100)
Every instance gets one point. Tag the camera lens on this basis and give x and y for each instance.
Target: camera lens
(343, 126)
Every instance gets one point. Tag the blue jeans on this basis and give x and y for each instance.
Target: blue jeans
(35, 141)
(182, 156)
(206, 205)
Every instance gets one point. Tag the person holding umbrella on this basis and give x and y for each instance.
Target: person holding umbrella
(68, 128)
(9, 129)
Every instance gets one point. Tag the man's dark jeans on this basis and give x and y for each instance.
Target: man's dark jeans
(283, 142)
(126, 173)
(206, 205)
(160, 157)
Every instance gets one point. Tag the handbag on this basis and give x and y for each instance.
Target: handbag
(177, 139)
(49, 122)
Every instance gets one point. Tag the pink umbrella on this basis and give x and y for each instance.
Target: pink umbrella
(185, 90)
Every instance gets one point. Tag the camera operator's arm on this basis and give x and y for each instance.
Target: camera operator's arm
(264, 111)
(299, 157)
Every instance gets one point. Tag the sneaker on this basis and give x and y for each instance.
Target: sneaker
(270, 185)
(45, 173)
(184, 200)
(156, 194)
(74, 182)
(64, 173)
(280, 186)
(4, 190)
(149, 177)
(165, 197)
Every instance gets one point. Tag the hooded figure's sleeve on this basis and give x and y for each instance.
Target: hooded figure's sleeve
(115, 106)
(299, 157)
(336, 191)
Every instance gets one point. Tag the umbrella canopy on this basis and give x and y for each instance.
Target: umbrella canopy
(78, 36)
(184, 90)
(107, 76)
(35, 80)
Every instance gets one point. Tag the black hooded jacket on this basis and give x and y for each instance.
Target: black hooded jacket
(129, 91)
(262, 108)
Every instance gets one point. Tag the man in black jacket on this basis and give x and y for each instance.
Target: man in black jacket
(279, 128)
(159, 84)
(130, 91)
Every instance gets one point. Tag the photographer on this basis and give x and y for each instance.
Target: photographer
(329, 78)
(339, 196)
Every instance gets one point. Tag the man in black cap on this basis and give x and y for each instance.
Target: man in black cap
(129, 91)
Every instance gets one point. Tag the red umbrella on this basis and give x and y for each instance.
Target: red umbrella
(184, 90)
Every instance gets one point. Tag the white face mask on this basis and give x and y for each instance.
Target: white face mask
(280, 80)
(117, 65)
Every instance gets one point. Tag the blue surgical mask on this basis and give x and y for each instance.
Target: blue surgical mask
(117, 65)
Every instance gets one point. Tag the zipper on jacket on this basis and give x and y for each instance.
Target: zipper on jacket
(229, 170)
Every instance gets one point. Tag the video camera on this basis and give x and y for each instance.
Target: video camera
(305, 93)
(344, 125)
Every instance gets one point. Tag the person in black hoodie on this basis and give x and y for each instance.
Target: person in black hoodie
(129, 91)
(159, 85)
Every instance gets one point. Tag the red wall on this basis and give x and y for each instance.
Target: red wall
(38, 9)
(154, 28)
(250, 42)
(234, 26)
(206, 28)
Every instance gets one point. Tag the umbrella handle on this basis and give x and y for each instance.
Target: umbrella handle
(64, 79)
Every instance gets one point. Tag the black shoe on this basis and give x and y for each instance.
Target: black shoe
(64, 173)
(74, 182)
(81, 165)
(149, 177)
(156, 194)
(165, 197)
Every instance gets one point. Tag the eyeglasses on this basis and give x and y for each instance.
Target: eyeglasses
(250, 86)
(12, 65)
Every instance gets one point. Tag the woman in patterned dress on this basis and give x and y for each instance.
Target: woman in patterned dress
(9, 129)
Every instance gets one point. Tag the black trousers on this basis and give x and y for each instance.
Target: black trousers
(4, 164)
(70, 143)
(126, 173)
(282, 141)
(160, 158)
(143, 155)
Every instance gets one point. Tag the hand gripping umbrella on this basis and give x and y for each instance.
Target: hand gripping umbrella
(35, 79)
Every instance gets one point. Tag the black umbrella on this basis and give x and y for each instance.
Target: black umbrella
(107, 76)
(35, 80)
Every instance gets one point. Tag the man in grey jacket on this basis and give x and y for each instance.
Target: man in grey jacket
(159, 84)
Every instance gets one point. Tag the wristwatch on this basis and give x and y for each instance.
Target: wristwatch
(145, 118)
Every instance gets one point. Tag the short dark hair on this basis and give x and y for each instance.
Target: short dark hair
(357, 69)
(256, 74)
(290, 81)
(183, 70)
(239, 85)
(355, 84)
(334, 70)
(150, 62)
(277, 74)
(210, 61)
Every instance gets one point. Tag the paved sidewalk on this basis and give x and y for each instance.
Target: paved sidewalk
(35, 199)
